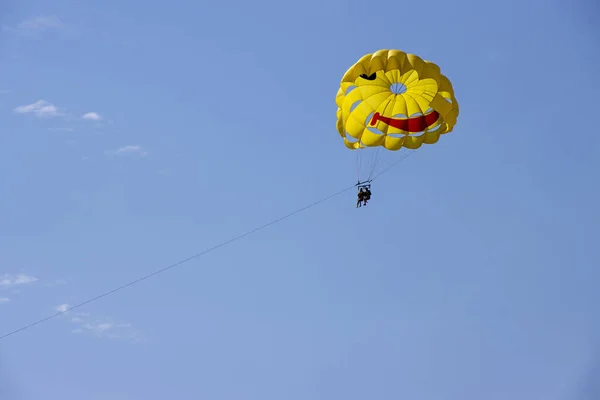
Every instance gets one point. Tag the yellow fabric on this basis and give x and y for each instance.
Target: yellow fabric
(404, 86)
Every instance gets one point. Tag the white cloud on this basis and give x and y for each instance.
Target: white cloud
(102, 328)
(62, 308)
(92, 116)
(60, 129)
(18, 279)
(124, 150)
(36, 25)
(42, 23)
(40, 108)
(99, 328)
(106, 329)
(13, 283)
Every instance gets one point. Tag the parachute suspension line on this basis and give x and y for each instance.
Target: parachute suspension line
(370, 160)
(374, 162)
(402, 158)
(357, 165)
(362, 159)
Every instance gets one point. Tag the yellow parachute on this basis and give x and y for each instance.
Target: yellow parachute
(394, 99)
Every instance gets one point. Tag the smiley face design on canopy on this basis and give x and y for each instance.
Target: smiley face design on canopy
(394, 99)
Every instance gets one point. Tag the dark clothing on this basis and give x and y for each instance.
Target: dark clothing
(361, 198)
(367, 195)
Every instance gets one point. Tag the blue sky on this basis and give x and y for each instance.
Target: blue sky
(134, 134)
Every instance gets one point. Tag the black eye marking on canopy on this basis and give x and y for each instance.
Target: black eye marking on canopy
(369, 77)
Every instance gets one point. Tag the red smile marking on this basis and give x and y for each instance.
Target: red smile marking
(416, 124)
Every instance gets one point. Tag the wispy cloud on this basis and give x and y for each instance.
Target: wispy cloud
(129, 150)
(14, 285)
(36, 25)
(60, 129)
(102, 328)
(8, 280)
(42, 23)
(92, 116)
(110, 330)
(5, 91)
(40, 108)
(62, 308)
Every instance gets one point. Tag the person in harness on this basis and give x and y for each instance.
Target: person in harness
(366, 195)
(361, 198)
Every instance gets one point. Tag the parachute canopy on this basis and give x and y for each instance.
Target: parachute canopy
(393, 99)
